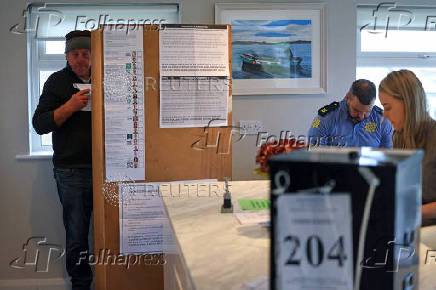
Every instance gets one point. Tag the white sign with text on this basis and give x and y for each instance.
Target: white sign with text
(313, 242)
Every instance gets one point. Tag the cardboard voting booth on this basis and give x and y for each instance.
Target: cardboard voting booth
(161, 112)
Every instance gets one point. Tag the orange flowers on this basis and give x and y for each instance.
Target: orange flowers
(267, 150)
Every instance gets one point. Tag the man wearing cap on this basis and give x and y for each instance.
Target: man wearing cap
(60, 111)
(353, 122)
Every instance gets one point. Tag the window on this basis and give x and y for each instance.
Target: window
(392, 37)
(46, 27)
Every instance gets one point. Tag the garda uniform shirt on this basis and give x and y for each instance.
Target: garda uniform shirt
(334, 127)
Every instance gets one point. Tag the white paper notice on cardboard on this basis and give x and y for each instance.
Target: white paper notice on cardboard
(144, 226)
(80, 86)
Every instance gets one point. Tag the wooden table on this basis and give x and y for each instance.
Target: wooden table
(220, 253)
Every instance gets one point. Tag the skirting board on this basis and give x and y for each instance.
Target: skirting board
(35, 284)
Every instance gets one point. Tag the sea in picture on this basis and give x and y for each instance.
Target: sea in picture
(266, 49)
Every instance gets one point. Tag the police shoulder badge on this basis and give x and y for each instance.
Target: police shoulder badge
(315, 122)
(370, 127)
(328, 108)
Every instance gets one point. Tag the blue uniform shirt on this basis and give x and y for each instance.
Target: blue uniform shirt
(335, 127)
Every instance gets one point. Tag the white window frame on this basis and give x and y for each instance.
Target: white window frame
(38, 60)
(406, 59)
(395, 59)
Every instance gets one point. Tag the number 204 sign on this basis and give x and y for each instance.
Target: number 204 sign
(313, 242)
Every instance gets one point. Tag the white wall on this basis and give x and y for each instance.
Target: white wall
(296, 112)
(29, 204)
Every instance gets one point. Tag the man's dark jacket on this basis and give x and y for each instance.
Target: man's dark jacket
(72, 140)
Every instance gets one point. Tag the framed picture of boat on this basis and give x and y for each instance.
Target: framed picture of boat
(277, 48)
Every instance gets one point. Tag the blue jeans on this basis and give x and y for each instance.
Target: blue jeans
(75, 193)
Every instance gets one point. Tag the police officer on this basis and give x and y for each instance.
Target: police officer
(352, 122)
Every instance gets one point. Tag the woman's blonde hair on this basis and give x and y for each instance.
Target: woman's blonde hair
(405, 86)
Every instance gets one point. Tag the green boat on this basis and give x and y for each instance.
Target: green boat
(254, 59)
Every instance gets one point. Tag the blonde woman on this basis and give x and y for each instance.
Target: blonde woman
(405, 105)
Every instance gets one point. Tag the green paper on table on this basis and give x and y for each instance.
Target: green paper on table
(254, 203)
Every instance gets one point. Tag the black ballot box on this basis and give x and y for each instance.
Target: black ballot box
(345, 218)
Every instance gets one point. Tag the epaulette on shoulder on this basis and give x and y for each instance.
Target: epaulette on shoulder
(378, 110)
(328, 108)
